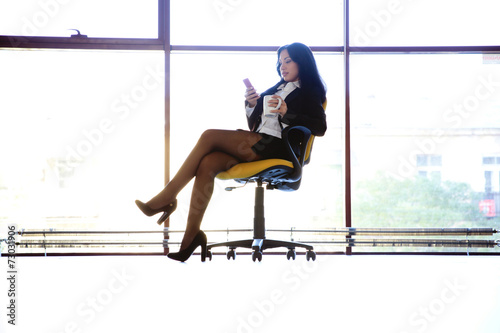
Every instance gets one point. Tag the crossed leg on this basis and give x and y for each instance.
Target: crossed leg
(216, 151)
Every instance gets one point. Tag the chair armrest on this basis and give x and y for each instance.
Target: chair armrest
(297, 161)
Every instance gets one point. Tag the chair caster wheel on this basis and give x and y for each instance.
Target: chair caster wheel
(311, 255)
(231, 254)
(257, 255)
(291, 254)
(209, 255)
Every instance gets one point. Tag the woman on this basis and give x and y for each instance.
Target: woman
(301, 92)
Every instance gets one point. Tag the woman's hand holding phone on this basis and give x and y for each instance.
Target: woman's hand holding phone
(251, 95)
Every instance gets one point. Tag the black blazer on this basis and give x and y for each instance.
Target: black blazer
(303, 110)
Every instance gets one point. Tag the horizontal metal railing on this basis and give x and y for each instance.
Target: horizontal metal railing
(401, 231)
(413, 243)
(333, 231)
(335, 237)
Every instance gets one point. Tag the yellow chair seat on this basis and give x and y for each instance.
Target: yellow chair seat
(249, 169)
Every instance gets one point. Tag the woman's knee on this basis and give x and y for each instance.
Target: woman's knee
(235, 143)
(214, 163)
(209, 139)
(210, 135)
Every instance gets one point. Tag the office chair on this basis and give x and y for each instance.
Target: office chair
(276, 174)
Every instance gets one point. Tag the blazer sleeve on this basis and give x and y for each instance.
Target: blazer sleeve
(254, 119)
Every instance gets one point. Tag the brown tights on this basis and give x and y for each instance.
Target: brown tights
(216, 151)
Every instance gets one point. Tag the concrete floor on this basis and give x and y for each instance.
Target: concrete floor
(400, 294)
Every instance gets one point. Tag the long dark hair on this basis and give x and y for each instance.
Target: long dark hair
(310, 79)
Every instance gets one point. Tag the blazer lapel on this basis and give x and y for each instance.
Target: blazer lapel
(292, 95)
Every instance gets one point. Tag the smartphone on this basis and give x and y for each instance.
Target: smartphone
(247, 83)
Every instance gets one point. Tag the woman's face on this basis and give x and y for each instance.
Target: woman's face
(289, 68)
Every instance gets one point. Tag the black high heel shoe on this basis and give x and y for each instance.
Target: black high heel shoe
(167, 210)
(199, 240)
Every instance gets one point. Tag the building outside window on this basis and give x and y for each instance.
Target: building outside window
(429, 166)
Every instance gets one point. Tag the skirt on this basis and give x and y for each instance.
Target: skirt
(271, 147)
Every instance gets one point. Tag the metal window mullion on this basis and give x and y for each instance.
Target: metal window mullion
(79, 43)
(247, 48)
(164, 23)
(347, 162)
(426, 49)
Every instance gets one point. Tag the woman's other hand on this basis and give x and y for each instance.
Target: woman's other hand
(274, 101)
(251, 97)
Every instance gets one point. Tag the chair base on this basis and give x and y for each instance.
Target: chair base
(259, 242)
(259, 245)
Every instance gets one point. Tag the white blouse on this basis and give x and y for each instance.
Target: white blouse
(271, 125)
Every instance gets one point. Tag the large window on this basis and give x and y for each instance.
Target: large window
(81, 136)
(420, 129)
(196, 78)
(93, 18)
(258, 22)
(89, 124)
(424, 23)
